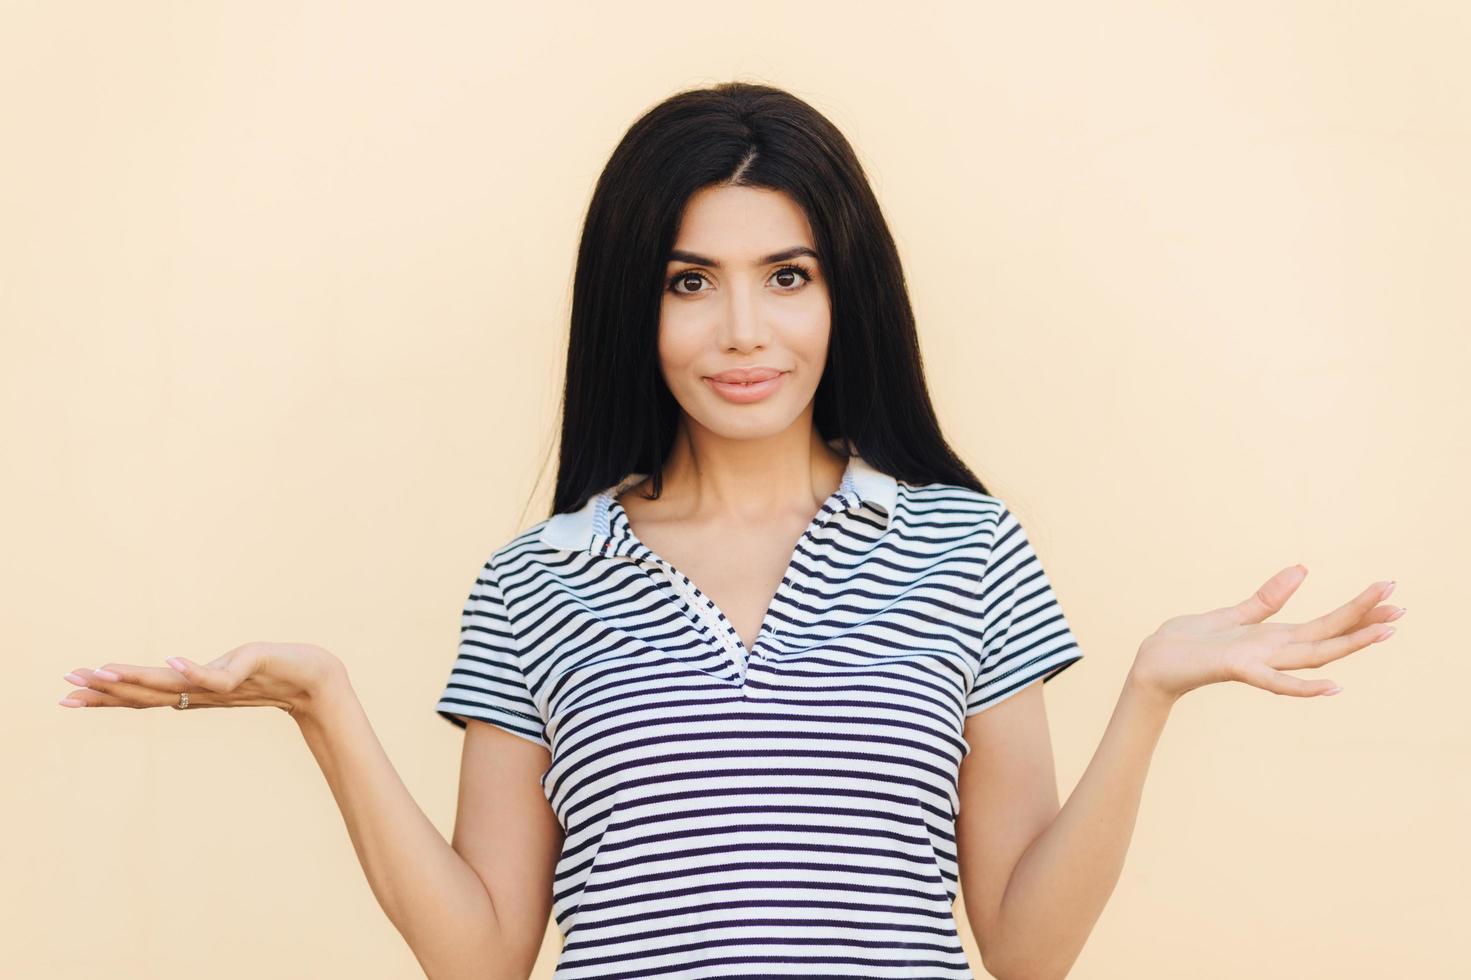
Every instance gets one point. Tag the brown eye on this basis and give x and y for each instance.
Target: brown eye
(787, 271)
(685, 277)
(784, 276)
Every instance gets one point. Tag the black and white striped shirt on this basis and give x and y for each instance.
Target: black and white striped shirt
(790, 815)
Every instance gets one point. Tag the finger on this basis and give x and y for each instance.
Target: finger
(1342, 619)
(223, 674)
(1296, 655)
(1268, 599)
(158, 678)
(1258, 674)
(87, 698)
(1379, 614)
(134, 695)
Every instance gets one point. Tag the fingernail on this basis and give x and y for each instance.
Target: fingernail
(106, 675)
(176, 663)
(1387, 590)
(1388, 632)
(1331, 691)
(70, 702)
(1398, 614)
(75, 678)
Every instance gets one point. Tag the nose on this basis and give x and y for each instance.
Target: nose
(743, 325)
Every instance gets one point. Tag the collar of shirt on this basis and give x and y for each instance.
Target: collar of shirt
(586, 529)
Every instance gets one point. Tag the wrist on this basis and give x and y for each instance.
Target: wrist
(1138, 687)
(326, 695)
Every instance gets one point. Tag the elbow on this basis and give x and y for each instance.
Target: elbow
(1010, 969)
(1003, 973)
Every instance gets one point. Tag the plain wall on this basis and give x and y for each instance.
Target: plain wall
(284, 291)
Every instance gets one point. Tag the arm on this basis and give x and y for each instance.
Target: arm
(459, 921)
(1032, 921)
(1042, 878)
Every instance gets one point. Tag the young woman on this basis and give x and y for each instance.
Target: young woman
(762, 692)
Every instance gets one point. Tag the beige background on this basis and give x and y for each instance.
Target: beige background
(284, 289)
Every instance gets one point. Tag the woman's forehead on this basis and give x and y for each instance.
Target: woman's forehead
(741, 224)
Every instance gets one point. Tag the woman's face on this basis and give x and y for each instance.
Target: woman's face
(743, 292)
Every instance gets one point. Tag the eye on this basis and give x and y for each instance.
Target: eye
(793, 270)
(684, 277)
(784, 274)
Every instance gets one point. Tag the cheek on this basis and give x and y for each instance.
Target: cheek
(680, 343)
(805, 315)
(800, 327)
(806, 334)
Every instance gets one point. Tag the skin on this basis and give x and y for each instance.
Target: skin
(741, 484)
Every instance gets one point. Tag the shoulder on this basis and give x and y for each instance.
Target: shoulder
(530, 542)
(949, 505)
(513, 557)
(557, 555)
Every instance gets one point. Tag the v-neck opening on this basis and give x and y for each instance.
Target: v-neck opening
(621, 537)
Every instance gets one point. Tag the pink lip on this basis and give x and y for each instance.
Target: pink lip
(745, 374)
(743, 394)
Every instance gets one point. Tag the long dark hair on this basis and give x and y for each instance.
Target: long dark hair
(618, 415)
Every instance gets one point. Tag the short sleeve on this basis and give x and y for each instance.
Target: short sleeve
(487, 681)
(1024, 634)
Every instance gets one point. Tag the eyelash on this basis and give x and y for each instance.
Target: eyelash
(686, 273)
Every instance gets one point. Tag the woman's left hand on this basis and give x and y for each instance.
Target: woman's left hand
(1233, 644)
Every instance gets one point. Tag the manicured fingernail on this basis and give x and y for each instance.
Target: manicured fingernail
(1387, 590)
(75, 679)
(1398, 614)
(106, 675)
(1331, 691)
(1388, 632)
(70, 702)
(176, 663)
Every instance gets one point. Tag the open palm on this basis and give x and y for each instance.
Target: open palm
(279, 675)
(1233, 643)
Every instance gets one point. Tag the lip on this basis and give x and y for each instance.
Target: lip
(763, 382)
(746, 375)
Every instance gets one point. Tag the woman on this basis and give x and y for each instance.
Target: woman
(760, 694)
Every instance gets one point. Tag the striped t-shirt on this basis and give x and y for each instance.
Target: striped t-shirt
(792, 814)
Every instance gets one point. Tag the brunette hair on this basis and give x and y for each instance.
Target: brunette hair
(618, 415)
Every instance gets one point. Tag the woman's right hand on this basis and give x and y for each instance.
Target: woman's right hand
(288, 676)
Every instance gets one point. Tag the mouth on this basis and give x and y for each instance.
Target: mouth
(745, 376)
(748, 387)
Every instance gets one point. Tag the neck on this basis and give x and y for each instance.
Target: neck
(708, 475)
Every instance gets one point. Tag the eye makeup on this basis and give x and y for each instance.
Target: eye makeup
(674, 280)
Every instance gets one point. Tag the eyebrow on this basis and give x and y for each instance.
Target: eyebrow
(679, 255)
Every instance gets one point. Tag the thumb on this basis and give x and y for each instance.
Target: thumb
(1271, 597)
(223, 674)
